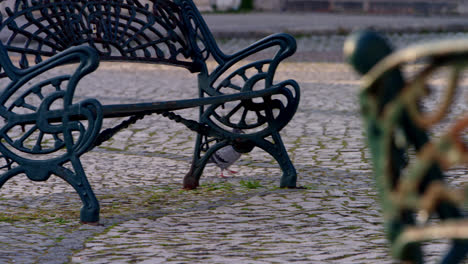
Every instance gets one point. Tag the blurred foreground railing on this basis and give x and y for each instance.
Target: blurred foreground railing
(411, 158)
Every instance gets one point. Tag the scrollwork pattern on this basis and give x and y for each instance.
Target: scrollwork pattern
(117, 29)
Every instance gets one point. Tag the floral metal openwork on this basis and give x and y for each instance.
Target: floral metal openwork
(44, 131)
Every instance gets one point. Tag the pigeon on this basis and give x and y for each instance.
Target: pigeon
(224, 158)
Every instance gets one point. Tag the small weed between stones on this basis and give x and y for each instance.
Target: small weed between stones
(251, 184)
(61, 221)
(15, 218)
(217, 186)
(297, 206)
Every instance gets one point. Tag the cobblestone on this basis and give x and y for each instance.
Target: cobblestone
(147, 218)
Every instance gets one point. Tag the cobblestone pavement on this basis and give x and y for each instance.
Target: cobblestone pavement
(147, 218)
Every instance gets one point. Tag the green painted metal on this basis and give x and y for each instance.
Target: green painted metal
(44, 132)
(412, 187)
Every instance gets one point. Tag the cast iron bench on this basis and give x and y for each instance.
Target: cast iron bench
(410, 158)
(44, 130)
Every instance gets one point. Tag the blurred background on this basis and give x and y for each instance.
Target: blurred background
(420, 7)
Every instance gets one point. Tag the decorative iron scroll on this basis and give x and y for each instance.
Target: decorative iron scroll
(43, 132)
(418, 204)
(162, 31)
(260, 119)
(117, 29)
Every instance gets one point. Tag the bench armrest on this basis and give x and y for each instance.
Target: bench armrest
(30, 101)
(285, 42)
(237, 75)
(87, 56)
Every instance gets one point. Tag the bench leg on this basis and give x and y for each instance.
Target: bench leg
(9, 174)
(276, 150)
(90, 210)
(192, 178)
(279, 153)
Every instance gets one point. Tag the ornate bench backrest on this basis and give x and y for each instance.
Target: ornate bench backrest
(156, 31)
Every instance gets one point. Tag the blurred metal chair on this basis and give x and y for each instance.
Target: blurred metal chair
(410, 163)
